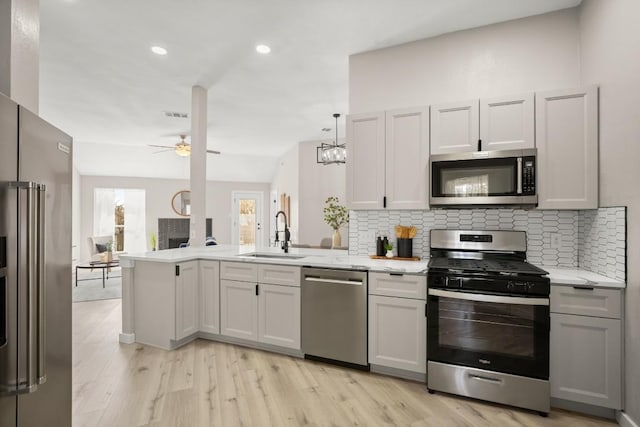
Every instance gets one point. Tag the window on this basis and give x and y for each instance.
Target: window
(121, 213)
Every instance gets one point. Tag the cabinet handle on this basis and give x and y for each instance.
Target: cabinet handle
(584, 288)
(384, 202)
(257, 289)
(425, 310)
(177, 270)
(479, 145)
(396, 274)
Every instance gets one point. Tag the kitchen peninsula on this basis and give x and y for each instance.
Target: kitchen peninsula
(253, 299)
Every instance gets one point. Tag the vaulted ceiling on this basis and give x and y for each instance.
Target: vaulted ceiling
(100, 82)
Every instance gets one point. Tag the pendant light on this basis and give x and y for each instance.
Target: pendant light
(335, 153)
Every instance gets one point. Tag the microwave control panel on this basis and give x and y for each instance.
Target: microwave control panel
(529, 175)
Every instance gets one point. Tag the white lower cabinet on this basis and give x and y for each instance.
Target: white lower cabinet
(209, 279)
(586, 345)
(186, 297)
(279, 315)
(398, 333)
(268, 313)
(238, 310)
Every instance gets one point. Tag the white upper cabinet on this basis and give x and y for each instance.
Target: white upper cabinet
(507, 122)
(387, 159)
(567, 142)
(454, 127)
(502, 123)
(365, 160)
(407, 158)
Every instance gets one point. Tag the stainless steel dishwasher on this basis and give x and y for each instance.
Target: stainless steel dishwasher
(334, 316)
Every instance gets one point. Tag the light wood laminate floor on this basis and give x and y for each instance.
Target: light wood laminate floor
(213, 384)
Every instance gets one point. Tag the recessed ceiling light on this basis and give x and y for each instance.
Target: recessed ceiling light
(158, 50)
(263, 48)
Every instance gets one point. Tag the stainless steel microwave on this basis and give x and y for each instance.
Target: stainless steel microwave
(484, 178)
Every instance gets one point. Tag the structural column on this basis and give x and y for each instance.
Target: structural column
(198, 225)
(19, 51)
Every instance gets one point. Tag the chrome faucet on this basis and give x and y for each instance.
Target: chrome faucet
(287, 233)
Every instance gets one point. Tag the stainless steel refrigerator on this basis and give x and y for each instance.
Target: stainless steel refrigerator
(35, 270)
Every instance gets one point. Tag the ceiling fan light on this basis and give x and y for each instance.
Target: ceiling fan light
(183, 150)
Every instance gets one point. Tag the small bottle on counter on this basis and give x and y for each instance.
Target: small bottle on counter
(379, 246)
(385, 242)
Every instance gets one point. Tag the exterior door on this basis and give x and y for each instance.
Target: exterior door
(246, 221)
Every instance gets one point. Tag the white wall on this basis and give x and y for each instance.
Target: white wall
(538, 53)
(610, 37)
(309, 184)
(317, 182)
(285, 180)
(159, 193)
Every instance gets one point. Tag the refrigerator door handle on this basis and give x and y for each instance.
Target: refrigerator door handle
(29, 307)
(42, 374)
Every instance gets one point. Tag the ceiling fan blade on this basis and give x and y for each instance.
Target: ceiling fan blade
(161, 146)
(163, 151)
(213, 152)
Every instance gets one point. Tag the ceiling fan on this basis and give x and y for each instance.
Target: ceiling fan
(182, 148)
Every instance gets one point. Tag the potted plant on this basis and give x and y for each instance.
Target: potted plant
(389, 248)
(335, 215)
(154, 241)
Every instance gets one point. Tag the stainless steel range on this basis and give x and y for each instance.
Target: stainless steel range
(487, 319)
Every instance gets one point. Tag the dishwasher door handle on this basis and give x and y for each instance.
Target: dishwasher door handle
(334, 281)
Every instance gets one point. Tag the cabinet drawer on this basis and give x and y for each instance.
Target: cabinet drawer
(242, 271)
(398, 285)
(597, 302)
(279, 275)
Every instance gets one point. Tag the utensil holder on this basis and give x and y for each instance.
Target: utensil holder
(405, 248)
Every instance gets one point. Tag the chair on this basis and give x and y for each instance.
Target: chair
(98, 246)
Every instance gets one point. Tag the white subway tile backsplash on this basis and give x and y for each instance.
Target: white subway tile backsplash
(594, 240)
(602, 241)
(537, 224)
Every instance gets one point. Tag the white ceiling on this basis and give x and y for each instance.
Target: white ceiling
(100, 82)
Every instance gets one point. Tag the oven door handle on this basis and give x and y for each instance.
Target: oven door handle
(489, 298)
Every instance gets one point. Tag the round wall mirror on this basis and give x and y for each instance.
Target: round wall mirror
(181, 203)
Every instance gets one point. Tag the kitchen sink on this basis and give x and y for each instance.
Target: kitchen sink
(271, 256)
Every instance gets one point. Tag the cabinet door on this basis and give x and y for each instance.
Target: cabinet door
(586, 360)
(279, 315)
(210, 296)
(407, 158)
(187, 299)
(507, 122)
(365, 161)
(238, 309)
(454, 127)
(398, 333)
(567, 142)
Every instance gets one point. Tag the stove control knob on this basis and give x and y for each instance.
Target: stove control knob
(510, 285)
(530, 286)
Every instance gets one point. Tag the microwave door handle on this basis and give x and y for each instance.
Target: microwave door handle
(519, 173)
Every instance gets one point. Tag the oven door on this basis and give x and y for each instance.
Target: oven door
(493, 332)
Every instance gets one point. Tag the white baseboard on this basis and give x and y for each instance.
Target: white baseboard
(624, 420)
(127, 338)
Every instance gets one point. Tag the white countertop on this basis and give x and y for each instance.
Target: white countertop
(576, 277)
(340, 259)
(326, 258)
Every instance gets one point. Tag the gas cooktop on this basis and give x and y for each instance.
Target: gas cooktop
(485, 266)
